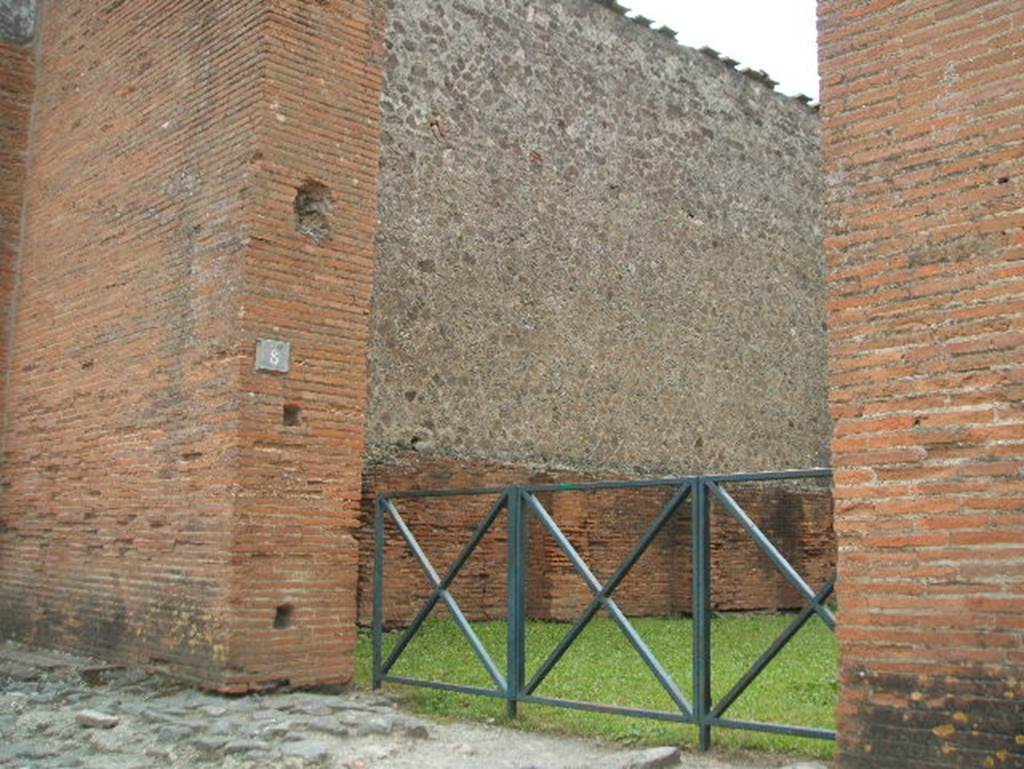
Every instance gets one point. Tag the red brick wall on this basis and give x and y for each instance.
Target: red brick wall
(604, 526)
(923, 108)
(157, 509)
(124, 372)
(16, 86)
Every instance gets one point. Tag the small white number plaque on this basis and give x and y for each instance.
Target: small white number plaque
(272, 355)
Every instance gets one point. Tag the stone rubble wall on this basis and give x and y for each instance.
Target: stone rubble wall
(598, 249)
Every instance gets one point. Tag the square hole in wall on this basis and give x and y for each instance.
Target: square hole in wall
(292, 416)
(283, 616)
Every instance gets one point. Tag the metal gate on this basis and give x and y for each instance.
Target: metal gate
(521, 503)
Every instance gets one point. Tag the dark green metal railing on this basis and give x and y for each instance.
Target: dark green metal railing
(521, 502)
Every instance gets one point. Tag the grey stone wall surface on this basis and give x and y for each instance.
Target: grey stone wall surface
(17, 20)
(598, 249)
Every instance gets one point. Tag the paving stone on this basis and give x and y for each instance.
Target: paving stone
(44, 698)
(179, 704)
(95, 719)
(18, 672)
(98, 675)
(174, 733)
(327, 726)
(375, 725)
(120, 762)
(417, 732)
(161, 755)
(277, 731)
(307, 750)
(263, 715)
(210, 742)
(28, 749)
(238, 725)
(149, 714)
(173, 711)
(339, 705)
(127, 678)
(318, 709)
(69, 763)
(655, 758)
(245, 746)
(108, 742)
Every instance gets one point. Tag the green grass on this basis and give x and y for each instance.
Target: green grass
(798, 687)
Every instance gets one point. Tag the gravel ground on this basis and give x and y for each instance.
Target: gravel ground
(60, 712)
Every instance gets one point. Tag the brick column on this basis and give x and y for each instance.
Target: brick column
(17, 71)
(160, 504)
(923, 103)
(307, 281)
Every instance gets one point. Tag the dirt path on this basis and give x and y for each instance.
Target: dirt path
(61, 712)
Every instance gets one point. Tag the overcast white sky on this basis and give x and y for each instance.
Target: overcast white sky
(777, 36)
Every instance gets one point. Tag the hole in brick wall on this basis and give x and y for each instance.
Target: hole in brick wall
(283, 616)
(291, 416)
(1003, 180)
(313, 204)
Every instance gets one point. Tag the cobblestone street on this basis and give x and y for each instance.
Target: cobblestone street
(59, 711)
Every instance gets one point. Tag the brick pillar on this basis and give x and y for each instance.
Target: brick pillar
(923, 102)
(17, 23)
(308, 281)
(157, 508)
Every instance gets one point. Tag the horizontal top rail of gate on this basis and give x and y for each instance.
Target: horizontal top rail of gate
(522, 505)
(415, 493)
(770, 475)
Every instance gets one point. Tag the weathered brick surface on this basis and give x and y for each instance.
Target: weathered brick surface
(156, 506)
(923, 107)
(16, 86)
(603, 526)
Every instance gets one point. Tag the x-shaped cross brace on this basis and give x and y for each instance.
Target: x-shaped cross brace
(440, 592)
(815, 601)
(603, 597)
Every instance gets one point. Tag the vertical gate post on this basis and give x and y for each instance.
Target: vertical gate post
(702, 610)
(516, 594)
(378, 588)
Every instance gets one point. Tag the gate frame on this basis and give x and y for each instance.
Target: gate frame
(513, 687)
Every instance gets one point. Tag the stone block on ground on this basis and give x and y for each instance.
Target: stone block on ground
(94, 719)
(245, 746)
(655, 758)
(210, 742)
(310, 751)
